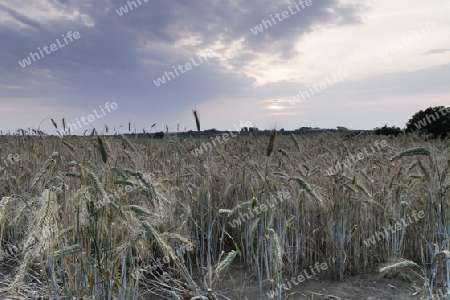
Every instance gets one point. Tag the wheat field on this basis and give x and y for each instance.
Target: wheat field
(132, 217)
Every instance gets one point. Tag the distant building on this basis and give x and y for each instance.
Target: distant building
(308, 129)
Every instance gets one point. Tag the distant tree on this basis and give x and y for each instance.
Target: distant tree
(433, 120)
(341, 128)
(159, 135)
(385, 130)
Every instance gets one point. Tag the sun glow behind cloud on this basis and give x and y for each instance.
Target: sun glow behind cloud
(276, 107)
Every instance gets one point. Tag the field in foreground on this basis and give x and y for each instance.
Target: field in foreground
(139, 218)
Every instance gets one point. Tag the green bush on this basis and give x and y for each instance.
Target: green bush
(433, 120)
(385, 130)
(159, 135)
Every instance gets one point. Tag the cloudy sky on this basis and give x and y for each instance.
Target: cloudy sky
(395, 56)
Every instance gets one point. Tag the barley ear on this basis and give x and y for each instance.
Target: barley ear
(305, 185)
(411, 152)
(141, 211)
(101, 146)
(4, 204)
(54, 123)
(48, 164)
(395, 268)
(271, 143)
(98, 186)
(70, 146)
(295, 142)
(70, 250)
(197, 119)
(226, 261)
(277, 249)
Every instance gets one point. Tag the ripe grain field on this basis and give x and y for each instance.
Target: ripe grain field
(132, 217)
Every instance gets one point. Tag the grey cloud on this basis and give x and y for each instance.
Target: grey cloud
(118, 58)
(434, 51)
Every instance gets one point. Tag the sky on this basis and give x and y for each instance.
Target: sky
(359, 64)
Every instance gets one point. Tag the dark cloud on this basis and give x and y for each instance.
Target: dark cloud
(21, 18)
(120, 56)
